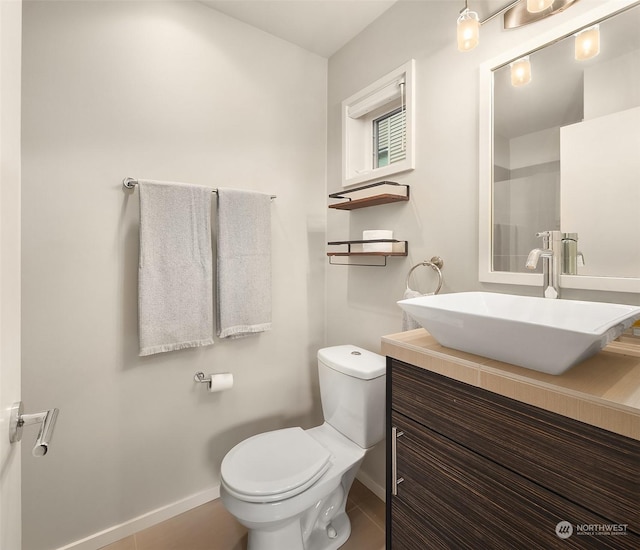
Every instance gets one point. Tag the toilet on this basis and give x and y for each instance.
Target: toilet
(289, 487)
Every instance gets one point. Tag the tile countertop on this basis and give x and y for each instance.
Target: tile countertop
(603, 391)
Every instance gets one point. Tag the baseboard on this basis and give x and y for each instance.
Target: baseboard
(368, 482)
(128, 528)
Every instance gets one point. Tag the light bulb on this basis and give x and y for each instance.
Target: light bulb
(468, 30)
(588, 43)
(520, 72)
(536, 6)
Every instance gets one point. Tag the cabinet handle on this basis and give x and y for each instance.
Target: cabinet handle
(395, 480)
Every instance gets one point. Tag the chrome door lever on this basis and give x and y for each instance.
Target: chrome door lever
(19, 420)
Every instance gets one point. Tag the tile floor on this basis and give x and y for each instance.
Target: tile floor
(211, 527)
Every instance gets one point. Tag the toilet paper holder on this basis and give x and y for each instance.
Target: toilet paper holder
(200, 377)
(224, 380)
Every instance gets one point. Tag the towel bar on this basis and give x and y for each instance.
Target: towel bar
(130, 183)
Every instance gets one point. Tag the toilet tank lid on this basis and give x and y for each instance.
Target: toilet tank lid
(353, 361)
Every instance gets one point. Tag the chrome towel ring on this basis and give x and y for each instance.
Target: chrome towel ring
(434, 263)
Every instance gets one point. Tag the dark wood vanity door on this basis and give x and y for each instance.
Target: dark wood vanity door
(451, 497)
(483, 471)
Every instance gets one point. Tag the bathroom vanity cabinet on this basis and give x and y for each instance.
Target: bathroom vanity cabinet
(475, 469)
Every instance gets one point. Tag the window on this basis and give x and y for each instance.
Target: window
(389, 143)
(377, 128)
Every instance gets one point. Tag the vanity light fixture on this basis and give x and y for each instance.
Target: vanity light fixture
(536, 6)
(587, 43)
(468, 29)
(520, 71)
(517, 13)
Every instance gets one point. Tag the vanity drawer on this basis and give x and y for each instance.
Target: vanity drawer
(451, 497)
(595, 468)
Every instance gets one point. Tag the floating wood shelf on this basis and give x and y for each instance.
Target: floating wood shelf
(359, 248)
(374, 194)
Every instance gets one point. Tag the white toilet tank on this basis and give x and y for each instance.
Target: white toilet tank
(352, 389)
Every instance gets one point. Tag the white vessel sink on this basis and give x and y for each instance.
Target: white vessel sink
(537, 333)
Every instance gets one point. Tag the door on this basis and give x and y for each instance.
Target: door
(10, 54)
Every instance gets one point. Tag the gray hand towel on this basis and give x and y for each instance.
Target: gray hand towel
(175, 273)
(244, 263)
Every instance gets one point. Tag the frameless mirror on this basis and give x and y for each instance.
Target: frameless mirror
(560, 150)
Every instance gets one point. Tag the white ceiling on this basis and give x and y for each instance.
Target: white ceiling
(324, 26)
(320, 26)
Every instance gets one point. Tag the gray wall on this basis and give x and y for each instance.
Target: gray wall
(167, 91)
(176, 91)
(442, 216)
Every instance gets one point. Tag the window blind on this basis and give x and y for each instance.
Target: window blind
(390, 138)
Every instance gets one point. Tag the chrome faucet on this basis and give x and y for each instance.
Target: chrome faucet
(551, 254)
(572, 258)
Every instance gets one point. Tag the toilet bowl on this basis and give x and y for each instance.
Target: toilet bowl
(289, 487)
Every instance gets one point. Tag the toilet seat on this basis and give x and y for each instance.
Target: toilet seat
(275, 465)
